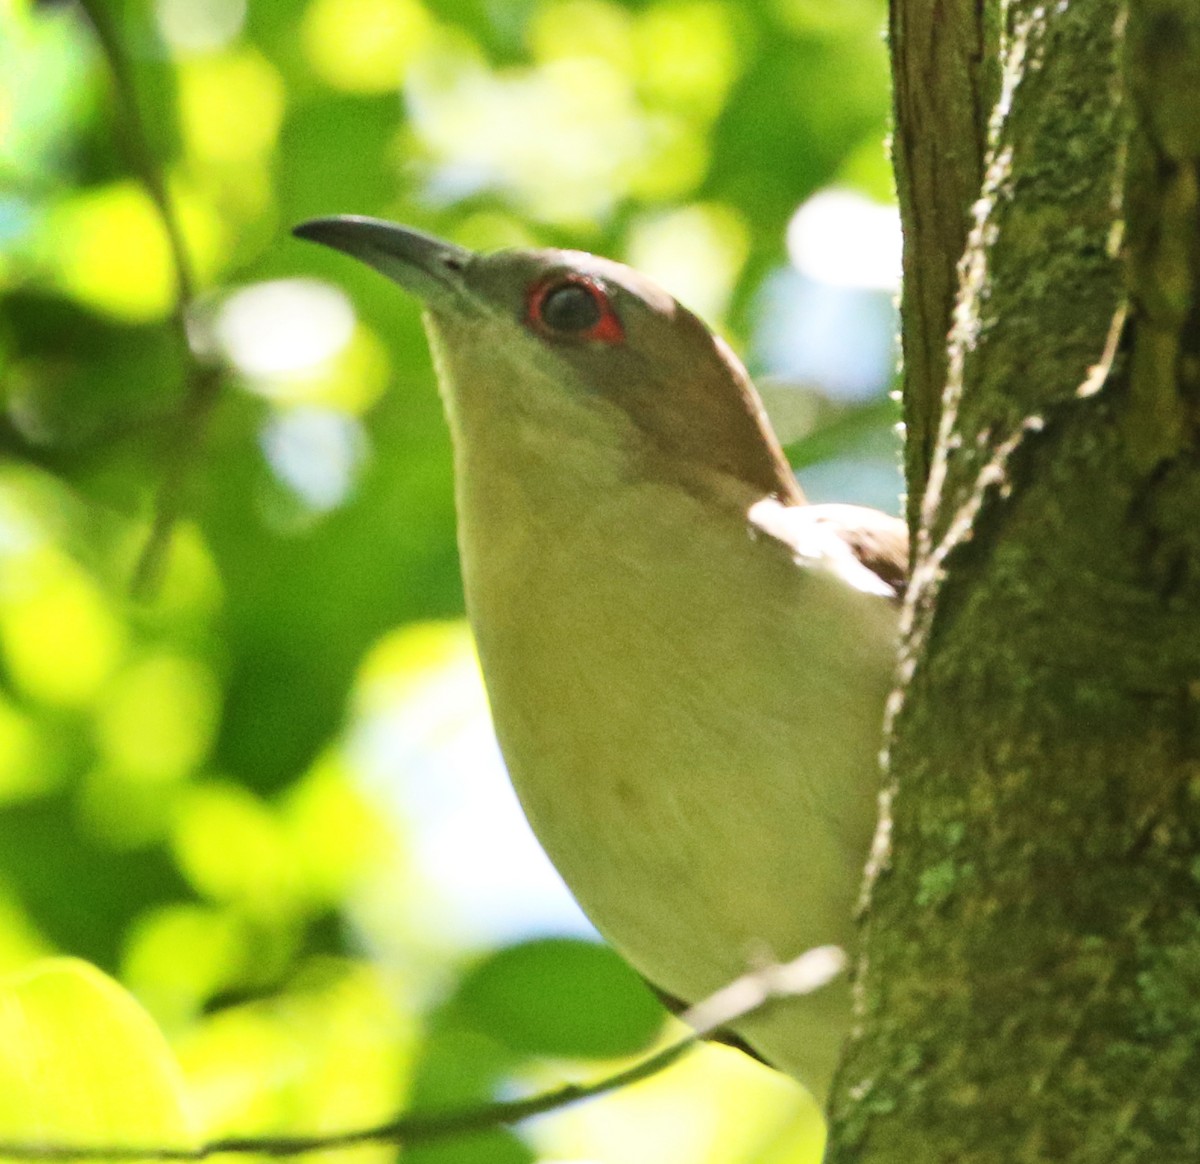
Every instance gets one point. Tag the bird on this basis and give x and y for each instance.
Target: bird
(686, 663)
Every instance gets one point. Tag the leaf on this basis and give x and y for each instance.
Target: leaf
(495, 1147)
(82, 1063)
(561, 996)
(845, 433)
(463, 1069)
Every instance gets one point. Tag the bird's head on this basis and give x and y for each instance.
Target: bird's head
(570, 349)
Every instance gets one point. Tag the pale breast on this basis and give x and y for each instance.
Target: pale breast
(674, 718)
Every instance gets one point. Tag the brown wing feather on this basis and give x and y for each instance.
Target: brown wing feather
(852, 533)
(877, 539)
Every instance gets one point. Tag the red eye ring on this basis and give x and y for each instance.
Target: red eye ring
(558, 311)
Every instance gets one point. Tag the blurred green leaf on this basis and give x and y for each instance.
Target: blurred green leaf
(76, 381)
(335, 157)
(83, 1063)
(83, 894)
(846, 432)
(462, 1069)
(560, 997)
(498, 1147)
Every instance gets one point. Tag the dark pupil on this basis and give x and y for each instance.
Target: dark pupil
(570, 308)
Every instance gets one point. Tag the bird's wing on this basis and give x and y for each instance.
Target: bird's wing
(865, 547)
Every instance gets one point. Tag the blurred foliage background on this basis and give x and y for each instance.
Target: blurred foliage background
(245, 765)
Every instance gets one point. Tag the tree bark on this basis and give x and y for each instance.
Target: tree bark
(944, 66)
(1030, 987)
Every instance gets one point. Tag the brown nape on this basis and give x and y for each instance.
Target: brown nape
(777, 472)
(692, 398)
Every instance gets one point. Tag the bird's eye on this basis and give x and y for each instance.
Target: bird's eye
(574, 307)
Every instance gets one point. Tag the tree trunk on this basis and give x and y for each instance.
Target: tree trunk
(1030, 988)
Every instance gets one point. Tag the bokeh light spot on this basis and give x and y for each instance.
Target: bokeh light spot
(61, 637)
(566, 140)
(687, 55)
(336, 832)
(364, 46)
(200, 25)
(583, 28)
(284, 326)
(845, 239)
(232, 848)
(25, 770)
(316, 452)
(190, 587)
(178, 955)
(334, 1052)
(111, 253)
(107, 248)
(231, 106)
(349, 381)
(157, 718)
(696, 252)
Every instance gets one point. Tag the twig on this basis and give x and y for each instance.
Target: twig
(201, 382)
(753, 991)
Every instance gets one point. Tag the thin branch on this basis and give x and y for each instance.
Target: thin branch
(808, 973)
(201, 382)
(137, 142)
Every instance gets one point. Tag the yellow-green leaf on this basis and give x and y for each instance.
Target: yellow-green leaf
(82, 1063)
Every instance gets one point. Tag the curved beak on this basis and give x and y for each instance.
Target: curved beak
(428, 267)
